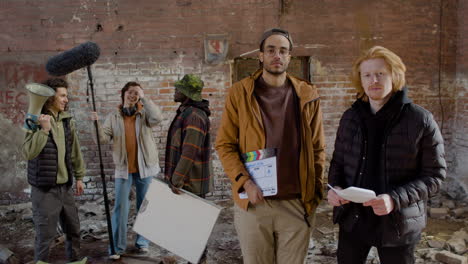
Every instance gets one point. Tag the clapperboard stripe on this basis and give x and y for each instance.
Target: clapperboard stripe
(258, 154)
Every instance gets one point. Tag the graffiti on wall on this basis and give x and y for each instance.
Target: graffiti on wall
(13, 106)
(13, 96)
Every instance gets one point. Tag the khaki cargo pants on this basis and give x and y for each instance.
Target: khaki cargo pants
(273, 232)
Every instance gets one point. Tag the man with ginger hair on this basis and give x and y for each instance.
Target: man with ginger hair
(392, 146)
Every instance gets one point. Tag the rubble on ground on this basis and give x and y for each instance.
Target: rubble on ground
(438, 248)
(444, 240)
(7, 257)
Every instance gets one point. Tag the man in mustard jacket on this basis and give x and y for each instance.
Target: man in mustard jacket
(273, 110)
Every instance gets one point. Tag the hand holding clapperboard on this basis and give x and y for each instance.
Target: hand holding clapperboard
(261, 165)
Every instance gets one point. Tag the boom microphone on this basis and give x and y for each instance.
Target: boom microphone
(71, 60)
(66, 62)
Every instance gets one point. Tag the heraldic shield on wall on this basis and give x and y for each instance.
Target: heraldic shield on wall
(216, 48)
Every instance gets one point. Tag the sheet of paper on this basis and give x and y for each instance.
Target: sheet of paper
(263, 173)
(180, 223)
(355, 194)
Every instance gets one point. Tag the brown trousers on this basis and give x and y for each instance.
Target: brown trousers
(273, 231)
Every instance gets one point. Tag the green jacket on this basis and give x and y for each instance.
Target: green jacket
(34, 142)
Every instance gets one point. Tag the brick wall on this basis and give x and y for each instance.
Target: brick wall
(459, 144)
(156, 42)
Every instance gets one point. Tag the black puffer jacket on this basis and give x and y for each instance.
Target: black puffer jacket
(412, 164)
(42, 170)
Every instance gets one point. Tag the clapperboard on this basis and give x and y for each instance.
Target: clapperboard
(261, 165)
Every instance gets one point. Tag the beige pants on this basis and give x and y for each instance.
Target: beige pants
(273, 232)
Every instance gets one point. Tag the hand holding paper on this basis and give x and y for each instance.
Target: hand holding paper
(382, 204)
(355, 194)
(334, 199)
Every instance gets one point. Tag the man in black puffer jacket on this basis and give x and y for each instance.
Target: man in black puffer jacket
(392, 146)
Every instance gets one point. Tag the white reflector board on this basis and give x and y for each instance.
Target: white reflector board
(180, 223)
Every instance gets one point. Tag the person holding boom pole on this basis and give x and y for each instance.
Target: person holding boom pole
(135, 155)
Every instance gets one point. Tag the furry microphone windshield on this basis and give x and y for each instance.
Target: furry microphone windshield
(71, 60)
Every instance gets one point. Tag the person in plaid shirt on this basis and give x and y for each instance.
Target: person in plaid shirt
(188, 149)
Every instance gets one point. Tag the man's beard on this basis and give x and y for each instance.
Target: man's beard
(276, 73)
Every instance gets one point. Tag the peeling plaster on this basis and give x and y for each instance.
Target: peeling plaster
(316, 68)
(13, 166)
(462, 81)
(108, 8)
(436, 29)
(371, 38)
(314, 46)
(6, 37)
(75, 18)
(84, 5)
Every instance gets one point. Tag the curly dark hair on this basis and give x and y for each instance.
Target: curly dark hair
(122, 93)
(126, 87)
(53, 83)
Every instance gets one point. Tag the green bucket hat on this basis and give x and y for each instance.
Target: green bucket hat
(191, 86)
